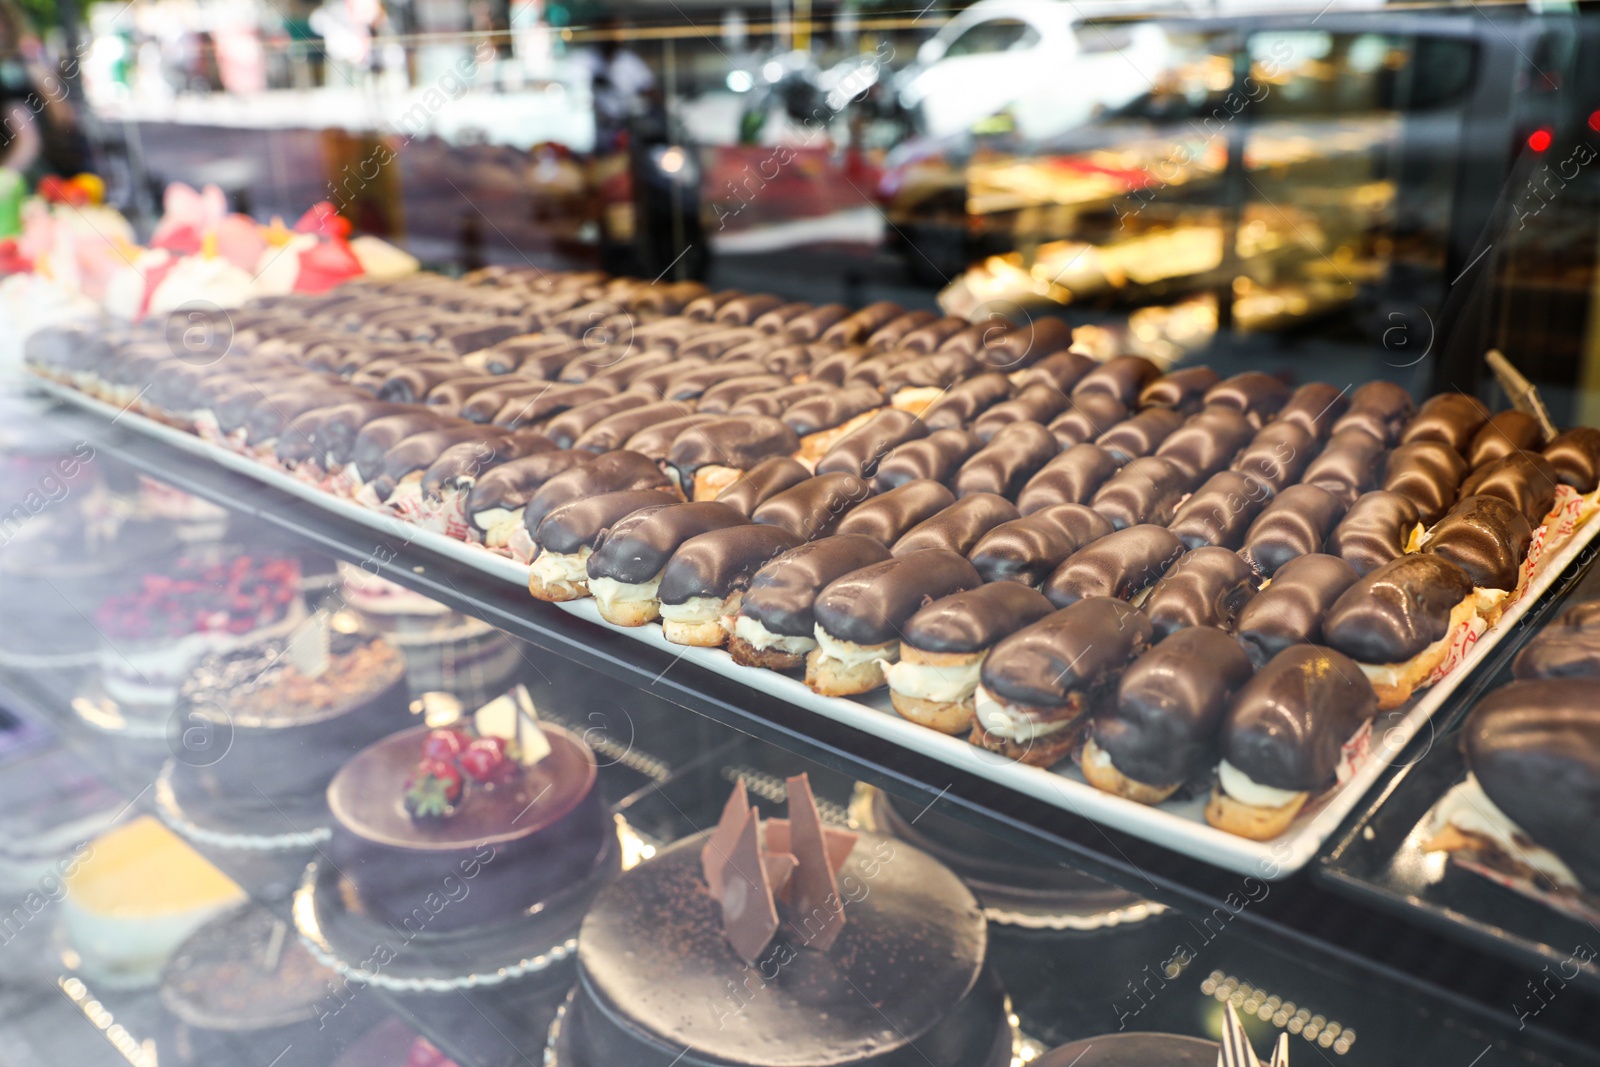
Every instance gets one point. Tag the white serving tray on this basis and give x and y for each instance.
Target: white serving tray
(1179, 826)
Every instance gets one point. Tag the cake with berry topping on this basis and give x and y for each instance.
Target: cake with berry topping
(479, 823)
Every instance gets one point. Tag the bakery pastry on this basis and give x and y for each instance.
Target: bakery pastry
(1289, 609)
(1451, 418)
(887, 516)
(1145, 491)
(1072, 477)
(1488, 539)
(1087, 416)
(776, 624)
(493, 508)
(1429, 473)
(813, 508)
(1141, 434)
(1507, 432)
(959, 526)
(1220, 511)
(1296, 522)
(707, 458)
(628, 561)
(1525, 480)
(1380, 409)
(1206, 586)
(1181, 390)
(936, 457)
(766, 479)
(1013, 455)
(1120, 564)
(566, 537)
(1254, 394)
(1575, 454)
(612, 472)
(1208, 442)
(703, 583)
(1567, 648)
(1123, 377)
(861, 451)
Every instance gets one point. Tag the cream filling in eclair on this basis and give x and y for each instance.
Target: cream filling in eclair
(497, 525)
(851, 654)
(1468, 809)
(1395, 674)
(697, 609)
(1008, 723)
(608, 592)
(562, 568)
(760, 638)
(945, 683)
(1246, 790)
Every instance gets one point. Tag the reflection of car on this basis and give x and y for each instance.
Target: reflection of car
(1048, 63)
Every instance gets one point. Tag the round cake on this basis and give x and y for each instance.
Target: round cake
(906, 982)
(1133, 1050)
(494, 852)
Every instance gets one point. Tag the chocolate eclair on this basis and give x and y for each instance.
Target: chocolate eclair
(745, 310)
(1220, 511)
(1486, 537)
(703, 308)
(1283, 738)
(709, 457)
(889, 515)
(1575, 454)
(312, 435)
(626, 369)
(931, 335)
(1087, 417)
(936, 457)
(450, 395)
(565, 538)
(859, 616)
(532, 409)
(943, 645)
(610, 472)
(1038, 688)
(486, 403)
(822, 420)
(446, 482)
(1378, 528)
(1003, 466)
(1028, 549)
(775, 627)
(1163, 728)
(1348, 465)
(1121, 564)
(1025, 344)
(855, 328)
(1038, 403)
(626, 567)
(1382, 409)
(493, 507)
(1070, 478)
(1525, 480)
(1505, 433)
(1208, 442)
(959, 526)
(835, 367)
(1140, 435)
(411, 382)
(720, 398)
(1398, 621)
(704, 581)
(565, 429)
(1567, 648)
(1064, 370)
(1254, 394)
(810, 326)
(889, 334)
(533, 356)
(1296, 523)
(813, 508)
(615, 431)
(877, 369)
(1427, 472)
(373, 441)
(656, 379)
(655, 440)
(1146, 490)
(1123, 377)
(1277, 454)
(965, 401)
(1315, 407)
(766, 479)
(1289, 609)
(268, 418)
(1182, 390)
(1453, 418)
(860, 451)
(1205, 586)
(693, 384)
(775, 402)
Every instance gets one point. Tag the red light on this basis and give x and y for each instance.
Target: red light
(1594, 120)
(1539, 140)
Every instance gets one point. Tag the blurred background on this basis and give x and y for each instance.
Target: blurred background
(1375, 190)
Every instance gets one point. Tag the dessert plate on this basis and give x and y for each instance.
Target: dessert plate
(1177, 824)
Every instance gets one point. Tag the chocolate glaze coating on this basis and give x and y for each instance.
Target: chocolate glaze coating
(656, 439)
(775, 402)
(959, 526)
(1141, 434)
(831, 409)
(967, 400)
(1534, 747)
(721, 562)
(1567, 648)
(722, 396)
(1254, 394)
(464, 463)
(930, 336)
(813, 508)
(613, 432)
(1454, 418)
(1429, 473)
(1524, 479)
(1296, 523)
(1375, 530)
(1208, 442)
(1380, 408)
(940, 370)
(1288, 724)
(1484, 536)
(1037, 403)
(1278, 453)
(766, 479)
(1120, 564)
(1164, 727)
(809, 326)
(552, 400)
(1147, 490)
(737, 441)
(512, 484)
(880, 367)
(694, 383)
(1024, 345)
(327, 435)
(486, 403)
(889, 334)
(1070, 478)
(783, 593)
(609, 473)
(833, 368)
(974, 620)
(861, 450)
(1220, 511)
(1062, 370)
(888, 516)
(1575, 454)
(1291, 609)
(1182, 390)
(1315, 407)
(1087, 417)
(1505, 433)
(856, 327)
(1203, 587)
(1124, 377)
(270, 416)
(581, 522)
(1396, 611)
(636, 548)
(1348, 466)
(936, 456)
(1004, 465)
(869, 606)
(565, 428)
(1079, 650)
(381, 434)
(1028, 549)
(656, 379)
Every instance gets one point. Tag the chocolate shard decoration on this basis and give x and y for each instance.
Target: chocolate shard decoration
(749, 916)
(714, 855)
(776, 836)
(817, 910)
(780, 869)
